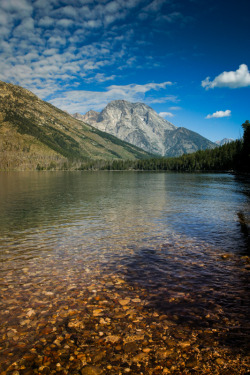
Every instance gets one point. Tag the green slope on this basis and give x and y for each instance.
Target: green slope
(35, 132)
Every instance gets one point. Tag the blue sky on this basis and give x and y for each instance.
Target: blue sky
(81, 54)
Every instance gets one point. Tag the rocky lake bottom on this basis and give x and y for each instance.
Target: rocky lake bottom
(124, 283)
(137, 316)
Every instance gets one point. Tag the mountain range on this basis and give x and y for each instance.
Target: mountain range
(33, 133)
(224, 141)
(141, 126)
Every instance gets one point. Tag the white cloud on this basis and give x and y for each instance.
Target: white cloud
(134, 88)
(25, 28)
(3, 18)
(154, 6)
(100, 77)
(175, 108)
(21, 8)
(46, 21)
(162, 99)
(82, 101)
(43, 5)
(93, 24)
(50, 52)
(166, 114)
(39, 52)
(65, 22)
(4, 31)
(220, 114)
(56, 40)
(112, 6)
(173, 17)
(232, 79)
(69, 11)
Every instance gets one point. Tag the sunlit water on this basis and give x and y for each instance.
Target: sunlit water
(99, 213)
(165, 234)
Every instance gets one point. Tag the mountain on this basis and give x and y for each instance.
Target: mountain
(224, 141)
(35, 133)
(140, 125)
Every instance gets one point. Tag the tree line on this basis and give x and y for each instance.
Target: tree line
(234, 156)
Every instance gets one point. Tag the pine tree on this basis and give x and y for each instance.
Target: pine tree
(246, 147)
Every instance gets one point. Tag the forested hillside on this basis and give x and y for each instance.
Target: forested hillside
(234, 156)
(35, 134)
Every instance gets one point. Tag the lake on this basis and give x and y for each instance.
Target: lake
(124, 272)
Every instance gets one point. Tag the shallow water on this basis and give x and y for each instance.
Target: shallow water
(71, 240)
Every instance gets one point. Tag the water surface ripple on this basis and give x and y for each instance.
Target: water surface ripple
(177, 242)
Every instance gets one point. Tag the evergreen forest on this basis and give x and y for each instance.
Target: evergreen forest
(233, 156)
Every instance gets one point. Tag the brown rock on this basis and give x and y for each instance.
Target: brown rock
(30, 313)
(140, 357)
(132, 338)
(226, 256)
(191, 362)
(130, 347)
(124, 302)
(98, 312)
(91, 370)
(163, 354)
(184, 344)
(113, 339)
(99, 356)
(219, 361)
(136, 300)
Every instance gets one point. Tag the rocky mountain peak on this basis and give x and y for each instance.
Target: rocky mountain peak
(140, 125)
(88, 117)
(122, 108)
(224, 141)
(35, 134)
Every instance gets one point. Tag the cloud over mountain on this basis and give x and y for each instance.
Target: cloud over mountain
(74, 43)
(82, 101)
(166, 114)
(60, 49)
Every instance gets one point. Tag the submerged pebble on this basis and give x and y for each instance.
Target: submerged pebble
(129, 319)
